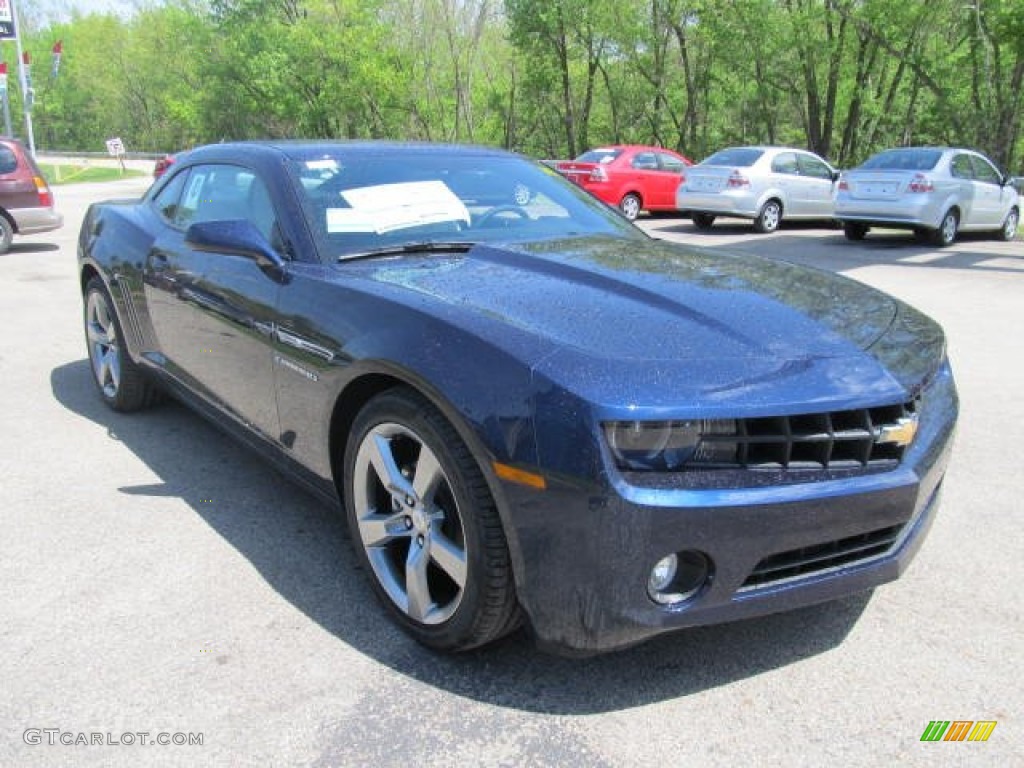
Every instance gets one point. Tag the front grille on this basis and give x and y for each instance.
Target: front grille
(831, 441)
(822, 557)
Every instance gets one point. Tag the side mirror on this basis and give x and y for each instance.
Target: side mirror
(238, 237)
(835, 175)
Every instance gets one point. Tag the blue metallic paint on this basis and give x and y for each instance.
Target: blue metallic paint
(528, 347)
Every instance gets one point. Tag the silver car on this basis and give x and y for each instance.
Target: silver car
(935, 191)
(765, 184)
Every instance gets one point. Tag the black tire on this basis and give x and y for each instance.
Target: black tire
(769, 217)
(945, 235)
(1009, 229)
(449, 528)
(6, 234)
(854, 231)
(122, 384)
(630, 205)
(703, 220)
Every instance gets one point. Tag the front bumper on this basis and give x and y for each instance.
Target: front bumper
(586, 553)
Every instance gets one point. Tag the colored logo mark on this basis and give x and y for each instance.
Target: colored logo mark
(958, 730)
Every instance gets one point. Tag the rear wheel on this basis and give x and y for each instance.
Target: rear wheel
(769, 217)
(6, 234)
(425, 526)
(703, 220)
(946, 233)
(630, 206)
(1009, 229)
(854, 231)
(122, 384)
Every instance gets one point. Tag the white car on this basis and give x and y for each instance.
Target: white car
(935, 191)
(764, 184)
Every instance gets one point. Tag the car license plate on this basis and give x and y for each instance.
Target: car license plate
(707, 185)
(878, 188)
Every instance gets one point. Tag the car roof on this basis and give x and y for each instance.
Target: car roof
(304, 149)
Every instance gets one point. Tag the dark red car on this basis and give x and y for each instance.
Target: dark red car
(162, 165)
(26, 202)
(633, 177)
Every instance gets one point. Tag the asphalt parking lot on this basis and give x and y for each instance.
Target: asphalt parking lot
(159, 579)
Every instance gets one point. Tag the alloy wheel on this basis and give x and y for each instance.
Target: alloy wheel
(409, 523)
(104, 350)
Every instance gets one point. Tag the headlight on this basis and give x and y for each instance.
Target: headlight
(669, 445)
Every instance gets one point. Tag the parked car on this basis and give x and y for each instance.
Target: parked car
(26, 202)
(703, 437)
(765, 184)
(633, 177)
(934, 191)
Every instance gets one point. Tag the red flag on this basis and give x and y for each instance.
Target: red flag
(58, 49)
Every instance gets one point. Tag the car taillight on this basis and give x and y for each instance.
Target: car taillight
(920, 183)
(598, 174)
(844, 185)
(45, 196)
(738, 180)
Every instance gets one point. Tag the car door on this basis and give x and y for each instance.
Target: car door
(213, 313)
(650, 180)
(816, 185)
(991, 198)
(786, 177)
(672, 169)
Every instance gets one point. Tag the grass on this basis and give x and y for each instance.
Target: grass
(72, 174)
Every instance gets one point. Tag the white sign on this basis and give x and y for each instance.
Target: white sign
(7, 31)
(389, 207)
(115, 147)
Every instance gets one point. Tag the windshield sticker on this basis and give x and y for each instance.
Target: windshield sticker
(388, 207)
(327, 164)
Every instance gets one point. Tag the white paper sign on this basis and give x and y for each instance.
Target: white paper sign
(390, 207)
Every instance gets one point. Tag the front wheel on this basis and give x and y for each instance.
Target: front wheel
(630, 206)
(854, 231)
(703, 220)
(425, 526)
(1010, 224)
(769, 217)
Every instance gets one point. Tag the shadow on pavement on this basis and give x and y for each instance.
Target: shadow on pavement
(297, 545)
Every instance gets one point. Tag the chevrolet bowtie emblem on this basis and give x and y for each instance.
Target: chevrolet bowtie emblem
(900, 433)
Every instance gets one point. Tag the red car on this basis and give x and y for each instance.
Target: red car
(26, 202)
(633, 177)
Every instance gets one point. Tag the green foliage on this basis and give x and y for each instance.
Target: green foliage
(546, 77)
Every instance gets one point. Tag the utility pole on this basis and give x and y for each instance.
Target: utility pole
(27, 94)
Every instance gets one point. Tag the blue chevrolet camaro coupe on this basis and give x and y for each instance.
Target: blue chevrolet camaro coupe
(529, 411)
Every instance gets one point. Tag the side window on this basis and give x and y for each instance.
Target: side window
(785, 163)
(166, 201)
(983, 171)
(8, 161)
(670, 163)
(812, 166)
(227, 192)
(960, 168)
(645, 161)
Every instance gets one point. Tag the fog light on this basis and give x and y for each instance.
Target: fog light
(662, 574)
(678, 577)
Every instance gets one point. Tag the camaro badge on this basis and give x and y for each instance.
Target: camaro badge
(901, 433)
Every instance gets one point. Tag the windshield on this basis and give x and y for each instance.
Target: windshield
(744, 157)
(359, 200)
(904, 160)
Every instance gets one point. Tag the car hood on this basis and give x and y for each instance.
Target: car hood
(664, 323)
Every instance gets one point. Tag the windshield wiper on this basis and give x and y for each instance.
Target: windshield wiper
(424, 246)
